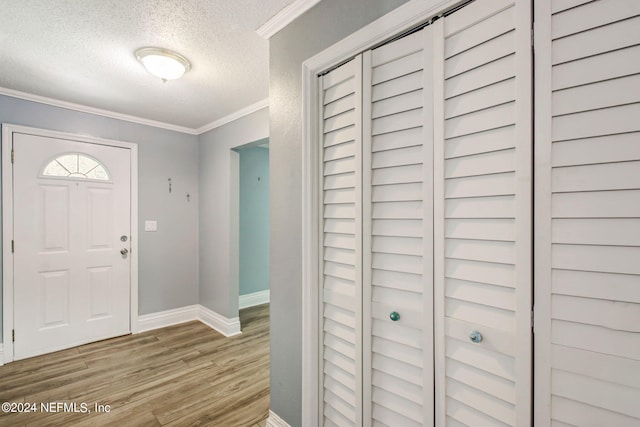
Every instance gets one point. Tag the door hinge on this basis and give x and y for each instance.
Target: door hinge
(13, 335)
(533, 320)
(13, 155)
(13, 247)
(533, 37)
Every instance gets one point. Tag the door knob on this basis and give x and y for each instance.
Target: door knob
(124, 251)
(475, 336)
(394, 315)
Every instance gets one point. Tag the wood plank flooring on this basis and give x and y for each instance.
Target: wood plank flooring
(182, 375)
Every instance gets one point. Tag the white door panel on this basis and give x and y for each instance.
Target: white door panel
(341, 248)
(587, 198)
(397, 233)
(71, 283)
(483, 214)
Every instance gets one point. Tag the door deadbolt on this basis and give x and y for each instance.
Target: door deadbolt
(123, 238)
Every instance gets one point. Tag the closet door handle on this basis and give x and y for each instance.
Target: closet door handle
(394, 315)
(475, 336)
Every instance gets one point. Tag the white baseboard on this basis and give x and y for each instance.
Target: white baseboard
(275, 421)
(227, 327)
(1, 354)
(162, 319)
(255, 298)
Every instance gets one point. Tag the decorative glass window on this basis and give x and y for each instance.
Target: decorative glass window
(76, 165)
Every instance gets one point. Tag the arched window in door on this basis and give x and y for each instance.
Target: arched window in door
(76, 165)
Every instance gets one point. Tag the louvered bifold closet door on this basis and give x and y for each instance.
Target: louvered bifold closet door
(482, 245)
(341, 281)
(397, 232)
(588, 213)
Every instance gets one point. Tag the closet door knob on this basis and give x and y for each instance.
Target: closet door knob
(394, 315)
(475, 336)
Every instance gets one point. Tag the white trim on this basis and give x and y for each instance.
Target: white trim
(524, 212)
(96, 111)
(7, 236)
(134, 119)
(1, 354)
(233, 116)
(398, 20)
(284, 17)
(162, 319)
(275, 421)
(7, 222)
(253, 299)
(227, 327)
(542, 214)
(438, 224)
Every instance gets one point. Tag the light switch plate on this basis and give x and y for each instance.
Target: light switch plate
(151, 225)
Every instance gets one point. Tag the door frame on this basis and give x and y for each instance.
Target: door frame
(399, 20)
(7, 224)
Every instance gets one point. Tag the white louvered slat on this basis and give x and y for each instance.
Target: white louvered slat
(594, 14)
(483, 174)
(572, 413)
(468, 416)
(404, 138)
(596, 95)
(623, 62)
(604, 149)
(395, 385)
(476, 378)
(588, 198)
(589, 284)
(607, 176)
(596, 231)
(481, 293)
(341, 285)
(598, 40)
(479, 99)
(618, 370)
(597, 339)
(397, 174)
(597, 393)
(495, 184)
(485, 75)
(397, 245)
(482, 142)
(481, 228)
(482, 358)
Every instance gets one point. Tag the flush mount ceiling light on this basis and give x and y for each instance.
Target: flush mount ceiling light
(163, 63)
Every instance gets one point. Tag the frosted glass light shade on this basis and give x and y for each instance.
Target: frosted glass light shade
(163, 63)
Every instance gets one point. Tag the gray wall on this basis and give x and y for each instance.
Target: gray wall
(218, 168)
(254, 219)
(322, 26)
(168, 259)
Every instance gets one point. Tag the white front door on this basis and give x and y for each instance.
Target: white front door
(72, 211)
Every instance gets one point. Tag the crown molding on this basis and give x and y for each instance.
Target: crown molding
(96, 111)
(234, 116)
(285, 17)
(134, 119)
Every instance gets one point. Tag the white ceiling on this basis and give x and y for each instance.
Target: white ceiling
(81, 52)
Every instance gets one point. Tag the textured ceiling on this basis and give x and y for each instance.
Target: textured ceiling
(81, 51)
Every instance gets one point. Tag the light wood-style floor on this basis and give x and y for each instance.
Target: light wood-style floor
(183, 375)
